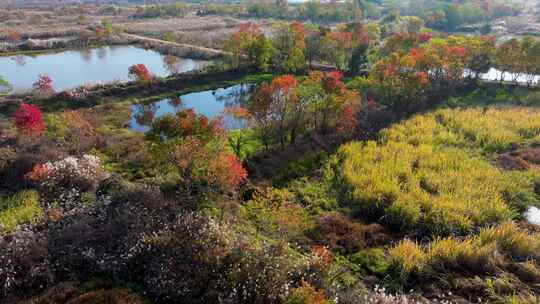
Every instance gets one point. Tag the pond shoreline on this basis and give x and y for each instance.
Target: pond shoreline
(144, 93)
(101, 65)
(211, 103)
(27, 47)
(60, 50)
(149, 43)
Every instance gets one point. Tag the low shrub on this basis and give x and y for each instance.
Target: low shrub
(339, 233)
(303, 167)
(14, 174)
(200, 260)
(24, 263)
(276, 214)
(373, 261)
(306, 294)
(20, 208)
(73, 292)
(7, 155)
(82, 173)
(316, 196)
(72, 130)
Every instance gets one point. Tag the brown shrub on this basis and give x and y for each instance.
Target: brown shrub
(341, 234)
(114, 296)
(70, 292)
(58, 294)
(510, 162)
(531, 155)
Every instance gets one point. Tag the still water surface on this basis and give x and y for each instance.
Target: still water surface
(69, 69)
(209, 103)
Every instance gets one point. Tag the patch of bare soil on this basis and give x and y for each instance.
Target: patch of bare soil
(522, 159)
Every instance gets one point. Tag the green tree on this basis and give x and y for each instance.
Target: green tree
(250, 44)
(107, 26)
(5, 86)
(508, 57)
(290, 46)
(453, 18)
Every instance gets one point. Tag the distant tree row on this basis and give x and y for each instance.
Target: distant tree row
(295, 45)
(177, 9)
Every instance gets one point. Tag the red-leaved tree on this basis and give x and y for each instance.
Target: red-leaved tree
(28, 121)
(272, 106)
(139, 72)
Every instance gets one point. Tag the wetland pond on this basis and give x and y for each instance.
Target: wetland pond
(73, 68)
(210, 103)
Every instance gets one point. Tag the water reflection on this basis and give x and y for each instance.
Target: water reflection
(236, 96)
(210, 103)
(73, 68)
(19, 60)
(171, 64)
(145, 114)
(175, 102)
(86, 55)
(102, 53)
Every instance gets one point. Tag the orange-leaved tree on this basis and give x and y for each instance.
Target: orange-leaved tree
(271, 107)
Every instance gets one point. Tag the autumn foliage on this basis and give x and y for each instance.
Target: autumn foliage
(44, 84)
(250, 44)
(196, 147)
(226, 170)
(28, 120)
(13, 36)
(186, 123)
(286, 108)
(139, 72)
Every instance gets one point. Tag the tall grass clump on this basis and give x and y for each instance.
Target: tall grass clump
(20, 208)
(437, 191)
(489, 130)
(406, 258)
(486, 253)
(434, 172)
(510, 239)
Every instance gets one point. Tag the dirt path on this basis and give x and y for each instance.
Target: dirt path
(187, 48)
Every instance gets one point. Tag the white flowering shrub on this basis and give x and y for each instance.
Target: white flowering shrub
(24, 263)
(380, 295)
(71, 172)
(67, 181)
